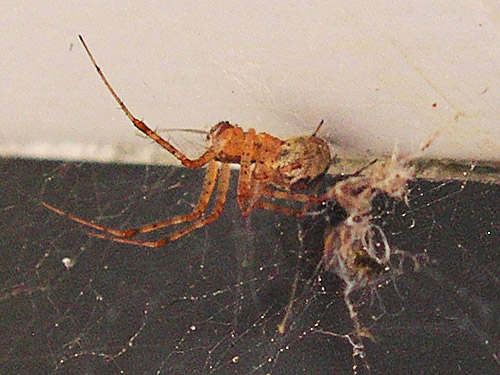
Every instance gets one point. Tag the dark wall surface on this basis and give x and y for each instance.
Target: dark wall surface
(211, 302)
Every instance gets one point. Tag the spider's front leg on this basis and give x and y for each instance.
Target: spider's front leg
(210, 154)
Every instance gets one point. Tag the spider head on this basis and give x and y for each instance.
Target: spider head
(217, 131)
(300, 161)
(228, 139)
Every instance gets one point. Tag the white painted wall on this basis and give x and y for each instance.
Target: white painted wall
(371, 70)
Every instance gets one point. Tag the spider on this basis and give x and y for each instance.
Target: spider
(269, 168)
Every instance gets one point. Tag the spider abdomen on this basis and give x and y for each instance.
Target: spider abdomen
(300, 161)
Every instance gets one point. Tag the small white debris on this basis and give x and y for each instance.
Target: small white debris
(68, 262)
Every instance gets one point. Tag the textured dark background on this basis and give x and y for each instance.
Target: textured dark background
(211, 302)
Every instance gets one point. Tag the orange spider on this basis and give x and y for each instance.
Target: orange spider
(270, 168)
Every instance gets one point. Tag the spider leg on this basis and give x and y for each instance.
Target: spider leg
(256, 189)
(220, 200)
(245, 176)
(285, 195)
(276, 207)
(302, 198)
(210, 154)
(206, 193)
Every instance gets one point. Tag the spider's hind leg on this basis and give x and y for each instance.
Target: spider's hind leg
(220, 201)
(206, 193)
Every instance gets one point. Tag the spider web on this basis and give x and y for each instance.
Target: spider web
(213, 301)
